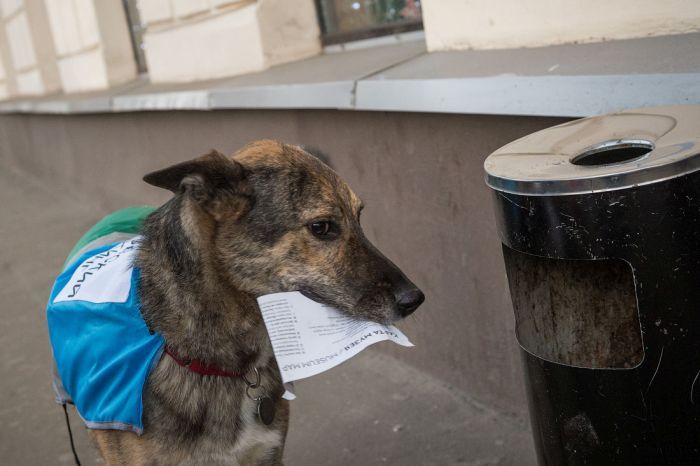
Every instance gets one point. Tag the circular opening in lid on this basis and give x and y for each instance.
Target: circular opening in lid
(611, 152)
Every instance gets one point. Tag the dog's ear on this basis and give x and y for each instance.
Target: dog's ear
(208, 172)
(207, 179)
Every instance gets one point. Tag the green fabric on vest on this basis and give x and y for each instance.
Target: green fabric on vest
(128, 220)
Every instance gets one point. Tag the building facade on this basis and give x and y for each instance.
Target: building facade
(74, 46)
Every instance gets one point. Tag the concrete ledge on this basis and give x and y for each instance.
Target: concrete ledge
(179, 100)
(326, 95)
(529, 95)
(570, 81)
(95, 104)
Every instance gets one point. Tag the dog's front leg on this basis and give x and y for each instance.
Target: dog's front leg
(121, 448)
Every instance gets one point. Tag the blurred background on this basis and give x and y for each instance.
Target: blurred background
(72, 46)
(407, 97)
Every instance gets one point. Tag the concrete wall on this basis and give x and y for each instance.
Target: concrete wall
(207, 39)
(489, 24)
(93, 44)
(6, 79)
(49, 46)
(420, 176)
(28, 54)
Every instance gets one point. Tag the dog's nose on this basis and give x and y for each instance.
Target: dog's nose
(408, 301)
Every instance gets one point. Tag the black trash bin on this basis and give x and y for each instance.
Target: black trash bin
(600, 224)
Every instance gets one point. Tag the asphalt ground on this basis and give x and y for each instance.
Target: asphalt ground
(371, 410)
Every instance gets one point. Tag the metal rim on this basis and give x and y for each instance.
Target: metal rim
(615, 144)
(649, 146)
(583, 185)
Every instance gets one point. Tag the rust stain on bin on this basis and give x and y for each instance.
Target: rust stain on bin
(577, 312)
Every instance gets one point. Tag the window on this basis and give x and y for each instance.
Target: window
(348, 20)
(136, 31)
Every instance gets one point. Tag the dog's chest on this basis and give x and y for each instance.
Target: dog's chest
(253, 442)
(210, 419)
(234, 438)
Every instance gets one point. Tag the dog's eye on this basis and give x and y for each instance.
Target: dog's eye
(324, 229)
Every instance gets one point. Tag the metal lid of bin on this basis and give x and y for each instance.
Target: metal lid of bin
(602, 153)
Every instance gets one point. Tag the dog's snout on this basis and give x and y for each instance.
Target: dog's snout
(408, 301)
(407, 296)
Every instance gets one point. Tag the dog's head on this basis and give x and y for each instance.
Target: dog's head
(274, 218)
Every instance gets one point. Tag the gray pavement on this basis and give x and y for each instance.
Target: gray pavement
(374, 409)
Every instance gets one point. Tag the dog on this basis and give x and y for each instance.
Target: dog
(271, 218)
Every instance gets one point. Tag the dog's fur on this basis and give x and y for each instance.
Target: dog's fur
(235, 229)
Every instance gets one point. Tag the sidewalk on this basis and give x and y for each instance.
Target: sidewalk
(372, 410)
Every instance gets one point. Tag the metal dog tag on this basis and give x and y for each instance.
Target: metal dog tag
(266, 410)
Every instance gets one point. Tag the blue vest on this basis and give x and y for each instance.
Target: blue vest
(102, 347)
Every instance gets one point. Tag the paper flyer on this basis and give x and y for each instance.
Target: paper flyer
(309, 338)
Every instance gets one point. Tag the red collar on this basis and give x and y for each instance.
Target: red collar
(198, 366)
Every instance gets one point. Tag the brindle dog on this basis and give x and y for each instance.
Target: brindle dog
(272, 218)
